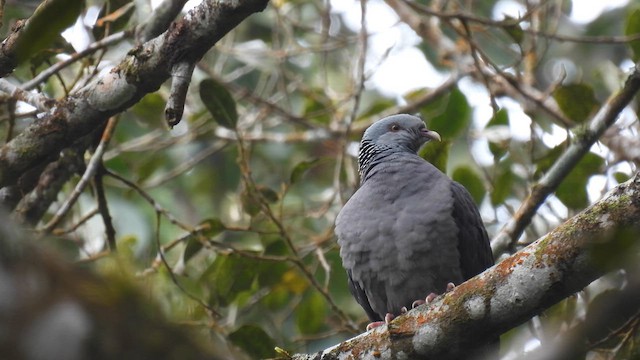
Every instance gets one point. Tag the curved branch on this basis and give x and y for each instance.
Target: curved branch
(506, 295)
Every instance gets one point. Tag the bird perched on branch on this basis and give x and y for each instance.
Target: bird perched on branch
(409, 231)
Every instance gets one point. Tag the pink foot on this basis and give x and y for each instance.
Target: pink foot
(430, 298)
(375, 324)
(450, 287)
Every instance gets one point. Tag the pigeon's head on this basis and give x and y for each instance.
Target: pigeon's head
(405, 132)
(396, 133)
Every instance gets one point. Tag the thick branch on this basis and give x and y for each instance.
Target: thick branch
(141, 72)
(513, 291)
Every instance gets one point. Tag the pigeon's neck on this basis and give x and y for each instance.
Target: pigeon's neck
(371, 154)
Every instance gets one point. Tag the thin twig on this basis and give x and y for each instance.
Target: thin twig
(156, 206)
(55, 68)
(212, 312)
(86, 217)
(110, 231)
(92, 168)
(36, 100)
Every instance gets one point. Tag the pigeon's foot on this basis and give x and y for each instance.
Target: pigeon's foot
(387, 320)
(430, 297)
(450, 287)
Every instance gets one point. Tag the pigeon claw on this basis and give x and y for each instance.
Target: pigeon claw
(387, 320)
(417, 303)
(450, 287)
(430, 298)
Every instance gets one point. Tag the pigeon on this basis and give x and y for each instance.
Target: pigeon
(409, 231)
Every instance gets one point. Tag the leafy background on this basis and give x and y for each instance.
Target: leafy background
(242, 194)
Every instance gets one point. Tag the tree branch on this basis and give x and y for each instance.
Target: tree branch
(508, 294)
(142, 71)
(602, 120)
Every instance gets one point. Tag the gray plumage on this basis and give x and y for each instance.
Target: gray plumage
(409, 229)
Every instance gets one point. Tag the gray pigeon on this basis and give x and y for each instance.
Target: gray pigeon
(409, 230)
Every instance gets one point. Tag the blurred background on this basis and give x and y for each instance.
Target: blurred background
(243, 192)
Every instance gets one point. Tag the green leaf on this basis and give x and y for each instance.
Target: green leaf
(620, 177)
(254, 341)
(573, 189)
(451, 120)
(194, 245)
(632, 27)
(249, 204)
(311, 313)
(500, 118)
(45, 26)
(316, 103)
(271, 273)
(228, 276)
(267, 193)
(217, 99)
(300, 169)
(437, 153)
(212, 227)
(471, 181)
(577, 101)
(502, 186)
(276, 299)
(513, 30)
(544, 163)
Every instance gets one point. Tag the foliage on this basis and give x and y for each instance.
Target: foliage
(232, 209)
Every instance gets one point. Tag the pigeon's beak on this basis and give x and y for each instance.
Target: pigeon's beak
(430, 134)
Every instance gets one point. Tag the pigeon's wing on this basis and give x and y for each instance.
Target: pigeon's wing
(473, 241)
(361, 297)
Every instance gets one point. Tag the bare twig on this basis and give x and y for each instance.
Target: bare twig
(103, 208)
(92, 168)
(156, 206)
(36, 100)
(54, 69)
(210, 310)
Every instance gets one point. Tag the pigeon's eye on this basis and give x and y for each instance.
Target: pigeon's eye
(395, 127)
